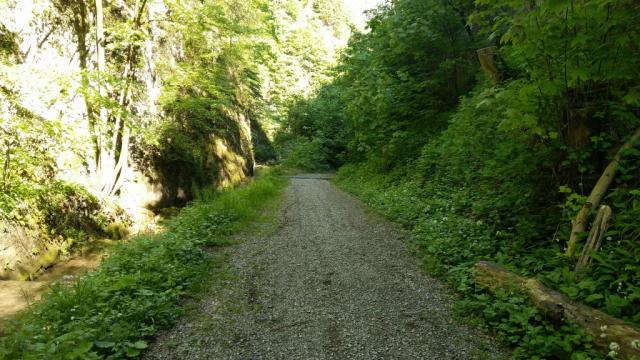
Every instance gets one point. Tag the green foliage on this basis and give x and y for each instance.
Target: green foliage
(308, 39)
(501, 176)
(56, 209)
(314, 132)
(519, 324)
(66, 206)
(8, 44)
(214, 88)
(304, 154)
(393, 84)
(450, 238)
(26, 145)
(332, 13)
(577, 71)
(400, 78)
(31, 196)
(111, 312)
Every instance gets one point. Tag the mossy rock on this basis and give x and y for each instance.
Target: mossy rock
(47, 259)
(117, 230)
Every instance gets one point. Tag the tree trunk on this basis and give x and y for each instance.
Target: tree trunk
(579, 224)
(598, 229)
(122, 132)
(5, 168)
(487, 58)
(603, 328)
(104, 161)
(113, 134)
(81, 29)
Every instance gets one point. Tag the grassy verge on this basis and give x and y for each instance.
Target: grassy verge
(109, 313)
(450, 241)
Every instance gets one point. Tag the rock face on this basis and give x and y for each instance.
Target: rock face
(16, 249)
(41, 69)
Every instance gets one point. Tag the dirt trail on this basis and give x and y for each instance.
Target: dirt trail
(331, 282)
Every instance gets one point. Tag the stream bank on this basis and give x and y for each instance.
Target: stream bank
(17, 295)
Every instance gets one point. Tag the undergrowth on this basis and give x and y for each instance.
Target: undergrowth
(113, 311)
(450, 241)
(55, 209)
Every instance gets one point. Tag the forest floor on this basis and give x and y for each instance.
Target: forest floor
(328, 281)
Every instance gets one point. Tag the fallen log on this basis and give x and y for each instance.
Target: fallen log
(604, 329)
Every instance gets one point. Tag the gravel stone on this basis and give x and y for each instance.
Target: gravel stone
(332, 281)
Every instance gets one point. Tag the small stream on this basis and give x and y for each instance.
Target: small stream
(17, 295)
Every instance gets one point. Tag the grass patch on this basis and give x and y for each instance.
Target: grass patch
(111, 312)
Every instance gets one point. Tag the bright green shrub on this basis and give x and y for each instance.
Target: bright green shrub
(304, 154)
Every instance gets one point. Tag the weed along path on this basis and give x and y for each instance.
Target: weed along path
(331, 281)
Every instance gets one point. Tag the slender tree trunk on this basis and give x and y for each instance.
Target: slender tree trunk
(111, 133)
(5, 168)
(81, 29)
(123, 159)
(594, 241)
(104, 155)
(122, 132)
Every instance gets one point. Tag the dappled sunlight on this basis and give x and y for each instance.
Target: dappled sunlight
(232, 167)
(16, 295)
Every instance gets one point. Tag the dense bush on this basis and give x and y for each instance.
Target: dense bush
(315, 125)
(304, 154)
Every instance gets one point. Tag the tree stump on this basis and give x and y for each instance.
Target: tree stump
(487, 57)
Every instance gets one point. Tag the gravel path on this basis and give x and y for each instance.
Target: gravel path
(330, 282)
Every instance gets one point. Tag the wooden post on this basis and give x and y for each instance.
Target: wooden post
(594, 241)
(487, 57)
(579, 224)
